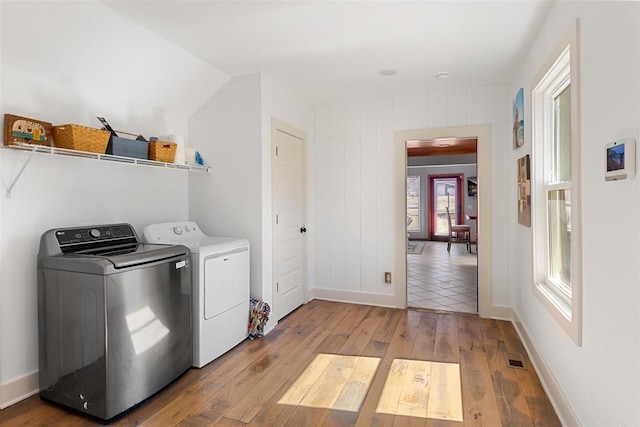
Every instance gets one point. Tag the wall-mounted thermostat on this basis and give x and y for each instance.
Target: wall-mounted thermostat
(620, 160)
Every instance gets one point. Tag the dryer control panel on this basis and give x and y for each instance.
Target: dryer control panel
(176, 232)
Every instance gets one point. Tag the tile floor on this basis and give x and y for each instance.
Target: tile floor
(441, 280)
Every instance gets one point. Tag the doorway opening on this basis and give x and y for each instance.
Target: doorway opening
(437, 179)
(445, 192)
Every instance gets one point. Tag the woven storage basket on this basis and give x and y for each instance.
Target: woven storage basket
(81, 138)
(162, 151)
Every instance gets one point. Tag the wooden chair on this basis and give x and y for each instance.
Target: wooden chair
(458, 233)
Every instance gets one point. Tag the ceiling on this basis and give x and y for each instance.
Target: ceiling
(442, 147)
(334, 50)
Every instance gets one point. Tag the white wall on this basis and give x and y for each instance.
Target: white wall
(228, 202)
(233, 132)
(354, 184)
(84, 61)
(600, 380)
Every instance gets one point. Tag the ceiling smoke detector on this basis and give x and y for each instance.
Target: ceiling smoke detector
(443, 75)
(387, 72)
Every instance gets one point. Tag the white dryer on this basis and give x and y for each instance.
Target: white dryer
(220, 286)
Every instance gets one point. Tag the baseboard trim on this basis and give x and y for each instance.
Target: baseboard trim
(270, 327)
(501, 312)
(339, 295)
(19, 389)
(549, 383)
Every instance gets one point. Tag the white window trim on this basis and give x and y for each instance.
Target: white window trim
(566, 310)
(419, 230)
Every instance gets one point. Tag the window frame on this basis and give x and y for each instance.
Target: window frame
(561, 69)
(418, 206)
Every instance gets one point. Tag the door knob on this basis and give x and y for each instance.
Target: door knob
(303, 229)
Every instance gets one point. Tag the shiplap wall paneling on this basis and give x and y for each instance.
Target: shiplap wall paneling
(497, 111)
(402, 112)
(322, 150)
(457, 107)
(337, 197)
(352, 195)
(386, 208)
(419, 111)
(437, 109)
(476, 105)
(355, 173)
(369, 195)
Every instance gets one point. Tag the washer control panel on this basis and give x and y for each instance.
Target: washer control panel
(71, 236)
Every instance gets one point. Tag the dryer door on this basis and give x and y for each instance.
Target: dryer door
(226, 281)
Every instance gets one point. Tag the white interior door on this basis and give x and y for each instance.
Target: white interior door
(288, 196)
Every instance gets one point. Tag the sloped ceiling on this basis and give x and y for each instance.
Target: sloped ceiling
(332, 50)
(100, 55)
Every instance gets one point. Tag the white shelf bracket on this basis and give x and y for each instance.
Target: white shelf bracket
(96, 156)
(24, 166)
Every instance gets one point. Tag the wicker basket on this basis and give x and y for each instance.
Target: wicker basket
(162, 151)
(81, 138)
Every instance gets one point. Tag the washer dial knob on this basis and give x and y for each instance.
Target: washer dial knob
(177, 230)
(94, 232)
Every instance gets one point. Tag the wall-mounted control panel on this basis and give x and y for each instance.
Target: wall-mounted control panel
(620, 159)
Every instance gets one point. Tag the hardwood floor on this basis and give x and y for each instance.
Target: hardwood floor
(243, 386)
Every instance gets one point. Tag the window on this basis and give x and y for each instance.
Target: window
(413, 203)
(447, 190)
(556, 183)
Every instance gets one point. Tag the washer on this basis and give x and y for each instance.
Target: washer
(114, 318)
(220, 286)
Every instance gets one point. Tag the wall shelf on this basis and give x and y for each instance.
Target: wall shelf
(34, 148)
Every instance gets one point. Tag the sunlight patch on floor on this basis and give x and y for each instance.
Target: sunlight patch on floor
(334, 382)
(422, 389)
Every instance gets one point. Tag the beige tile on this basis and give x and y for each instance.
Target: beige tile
(444, 300)
(463, 298)
(437, 274)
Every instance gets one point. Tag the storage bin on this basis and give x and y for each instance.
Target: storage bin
(80, 138)
(162, 151)
(127, 147)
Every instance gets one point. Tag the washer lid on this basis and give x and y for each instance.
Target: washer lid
(137, 254)
(105, 260)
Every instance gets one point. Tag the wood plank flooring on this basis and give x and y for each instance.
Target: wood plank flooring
(243, 387)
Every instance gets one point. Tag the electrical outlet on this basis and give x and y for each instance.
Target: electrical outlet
(387, 277)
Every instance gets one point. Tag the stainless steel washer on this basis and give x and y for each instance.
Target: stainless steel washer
(114, 317)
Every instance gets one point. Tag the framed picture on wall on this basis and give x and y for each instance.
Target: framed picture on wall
(518, 119)
(19, 130)
(524, 191)
(472, 186)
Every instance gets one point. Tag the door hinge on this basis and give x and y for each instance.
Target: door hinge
(276, 218)
(276, 150)
(277, 287)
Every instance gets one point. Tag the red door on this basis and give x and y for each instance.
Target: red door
(444, 191)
